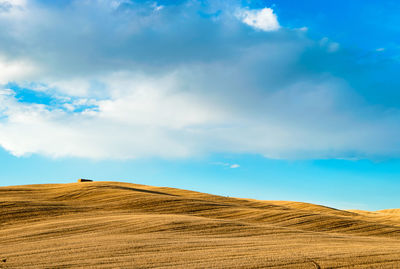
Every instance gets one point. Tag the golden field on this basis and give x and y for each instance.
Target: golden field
(123, 225)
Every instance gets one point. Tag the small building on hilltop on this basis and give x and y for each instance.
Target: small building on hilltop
(84, 180)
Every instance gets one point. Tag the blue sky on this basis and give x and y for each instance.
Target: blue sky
(264, 99)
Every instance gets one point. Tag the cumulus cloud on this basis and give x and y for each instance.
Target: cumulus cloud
(263, 19)
(129, 79)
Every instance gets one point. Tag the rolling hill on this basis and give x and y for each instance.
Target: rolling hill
(123, 225)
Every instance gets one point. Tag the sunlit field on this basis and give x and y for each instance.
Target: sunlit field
(115, 225)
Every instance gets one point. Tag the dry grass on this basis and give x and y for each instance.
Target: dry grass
(121, 225)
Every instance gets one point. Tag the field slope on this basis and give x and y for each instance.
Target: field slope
(122, 225)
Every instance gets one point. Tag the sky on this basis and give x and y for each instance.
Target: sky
(274, 100)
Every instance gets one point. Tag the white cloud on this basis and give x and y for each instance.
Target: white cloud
(155, 116)
(33, 129)
(227, 165)
(16, 69)
(144, 117)
(157, 7)
(12, 9)
(11, 5)
(149, 90)
(263, 19)
(15, 2)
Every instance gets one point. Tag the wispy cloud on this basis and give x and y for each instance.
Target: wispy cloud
(227, 165)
